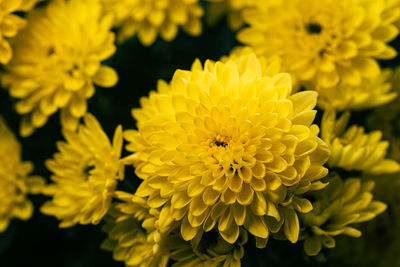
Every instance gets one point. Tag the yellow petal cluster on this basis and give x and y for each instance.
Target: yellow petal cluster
(148, 18)
(132, 234)
(15, 182)
(372, 92)
(352, 149)
(223, 146)
(324, 43)
(386, 119)
(58, 60)
(233, 9)
(208, 249)
(337, 207)
(85, 173)
(134, 238)
(11, 23)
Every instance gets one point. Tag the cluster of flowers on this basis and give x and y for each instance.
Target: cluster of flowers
(226, 150)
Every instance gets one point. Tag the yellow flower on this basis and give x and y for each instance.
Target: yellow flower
(233, 8)
(336, 208)
(324, 43)
(208, 249)
(148, 18)
(57, 60)
(10, 24)
(15, 182)
(132, 234)
(371, 93)
(352, 149)
(224, 146)
(85, 174)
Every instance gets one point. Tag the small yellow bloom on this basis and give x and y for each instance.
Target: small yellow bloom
(148, 18)
(224, 146)
(57, 60)
(337, 207)
(324, 43)
(352, 149)
(85, 174)
(10, 24)
(15, 182)
(132, 234)
(371, 93)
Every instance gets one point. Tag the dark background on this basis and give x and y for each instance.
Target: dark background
(39, 241)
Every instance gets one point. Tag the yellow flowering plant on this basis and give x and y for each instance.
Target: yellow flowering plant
(240, 156)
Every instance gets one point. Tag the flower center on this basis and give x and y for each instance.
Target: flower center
(220, 141)
(313, 28)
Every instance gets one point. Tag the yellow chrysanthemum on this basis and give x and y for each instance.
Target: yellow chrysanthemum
(233, 8)
(336, 208)
(352, 149)
(324, 43)
(225, 146)
(148, 18)
(371, 93)
(57, 60)
(15, 182)
(207, 250)
(10, 24)
(85, 174)
(132, 233)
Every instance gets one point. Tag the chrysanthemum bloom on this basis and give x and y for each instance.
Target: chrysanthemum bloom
(132, 233)
(15, 182)
(336, 208)
(233, 9)
(352, 149)
(85, 174)
(371, 93)
(324, 43)
(148, 18)
(57, 60)
(223, 146)
(208, 249)
(11, 23)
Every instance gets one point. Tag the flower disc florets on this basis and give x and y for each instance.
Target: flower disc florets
(225, 146)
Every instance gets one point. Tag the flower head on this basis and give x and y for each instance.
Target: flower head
(324, 43)
(371, 93)
(57, 60)
(337, 207)
(148, 18)
(85, 173)
(15, 182)
(352, 149)
(11, 23)
(224, 146)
